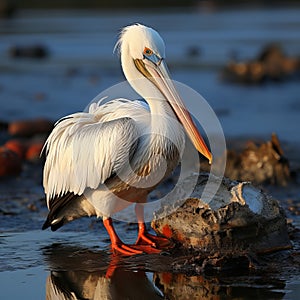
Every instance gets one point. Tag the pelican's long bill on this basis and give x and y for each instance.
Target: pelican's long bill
(158, 74)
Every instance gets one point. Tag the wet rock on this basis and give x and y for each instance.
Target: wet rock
(265, 163)
(10, 162)
(270, 64)
(34, 151)
(29, 149)
(26, 128)
(260, 163)
(18, 146)
(238, 222)
(31, 51)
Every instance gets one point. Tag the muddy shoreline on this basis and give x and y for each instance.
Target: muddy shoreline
(82, 248)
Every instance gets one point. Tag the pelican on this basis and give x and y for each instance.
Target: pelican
(101, 161)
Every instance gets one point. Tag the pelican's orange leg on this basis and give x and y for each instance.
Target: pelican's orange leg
(145, 238)
(116, 244)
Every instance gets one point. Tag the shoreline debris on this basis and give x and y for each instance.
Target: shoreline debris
(260, 164)
(21, 141)
(271, 64)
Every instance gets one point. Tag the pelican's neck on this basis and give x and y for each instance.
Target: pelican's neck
(159, 107)
(164, 126)
(165, 130)
(161, 111)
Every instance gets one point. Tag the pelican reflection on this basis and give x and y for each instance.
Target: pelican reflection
(77, 273)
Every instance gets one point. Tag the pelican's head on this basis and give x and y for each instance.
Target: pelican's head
(143, 57)
(140, 41)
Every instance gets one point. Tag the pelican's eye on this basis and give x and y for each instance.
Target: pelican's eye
(151, 56)
(148, 51)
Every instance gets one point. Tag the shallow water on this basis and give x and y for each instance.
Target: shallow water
(40, 263)
(76, 259)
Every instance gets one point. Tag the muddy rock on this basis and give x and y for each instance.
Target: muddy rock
(259, 163)
(239, 220)
(271, 64)
(34, 151)
(18, 146)
(10, 162)
(264, 163)
(27, 149)
(27, 128)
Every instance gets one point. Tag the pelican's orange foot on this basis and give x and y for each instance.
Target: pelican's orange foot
(145, 238)
(149, 249)
(134, 249)
(125, 249)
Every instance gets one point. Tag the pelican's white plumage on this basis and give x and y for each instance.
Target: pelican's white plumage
(100, 161)
(85, 149)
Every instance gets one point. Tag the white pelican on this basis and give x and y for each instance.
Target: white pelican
(121, 148)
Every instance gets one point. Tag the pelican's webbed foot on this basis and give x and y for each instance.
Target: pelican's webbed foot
(145, 238)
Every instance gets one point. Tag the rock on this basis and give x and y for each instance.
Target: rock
(239, 220)
(26, 128)
(34, 151)
(10, 162)
(17, 146)
(270, 64)
(265, 163)
(26, 148)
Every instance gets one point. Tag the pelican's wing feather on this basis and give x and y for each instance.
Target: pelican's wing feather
(83, 151)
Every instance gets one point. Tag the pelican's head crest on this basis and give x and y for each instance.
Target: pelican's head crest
(139, 39)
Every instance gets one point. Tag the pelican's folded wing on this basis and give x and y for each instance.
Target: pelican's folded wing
(83, 151)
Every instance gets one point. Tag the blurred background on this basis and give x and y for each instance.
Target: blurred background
(241, 56)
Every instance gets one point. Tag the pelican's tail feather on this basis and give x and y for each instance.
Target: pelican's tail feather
(67, 208)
